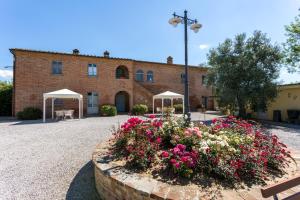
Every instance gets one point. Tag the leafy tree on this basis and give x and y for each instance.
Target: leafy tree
(5, 98)
(244, 71)
(292, 45)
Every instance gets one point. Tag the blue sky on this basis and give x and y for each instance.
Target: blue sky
(136, 29)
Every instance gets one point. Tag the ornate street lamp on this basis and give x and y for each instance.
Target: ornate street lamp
(175, 20)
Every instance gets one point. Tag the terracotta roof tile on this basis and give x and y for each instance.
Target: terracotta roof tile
(86, 55)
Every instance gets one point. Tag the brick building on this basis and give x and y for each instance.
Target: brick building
(101, 80)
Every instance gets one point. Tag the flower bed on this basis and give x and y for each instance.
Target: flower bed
(229, 149)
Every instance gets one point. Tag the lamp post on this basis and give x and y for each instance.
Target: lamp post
(175, 20)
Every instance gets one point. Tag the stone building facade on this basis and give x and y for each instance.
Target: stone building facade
(101, 80)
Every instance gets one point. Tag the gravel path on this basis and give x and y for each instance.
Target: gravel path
(52, 160)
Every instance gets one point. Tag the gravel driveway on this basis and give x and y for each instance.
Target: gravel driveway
(52, 160)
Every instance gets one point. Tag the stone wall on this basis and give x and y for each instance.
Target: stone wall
(114, 182)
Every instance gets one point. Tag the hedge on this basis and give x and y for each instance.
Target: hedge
(5, 98)
(139, 109)
(108, 110)
(30, 113)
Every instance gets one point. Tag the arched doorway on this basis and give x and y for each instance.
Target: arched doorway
(122, 101)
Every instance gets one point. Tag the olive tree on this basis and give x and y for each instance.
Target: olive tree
(292, 45)
(243, 72)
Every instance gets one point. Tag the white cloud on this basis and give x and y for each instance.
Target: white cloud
(285, 77)
(203, 46)
(4, 73)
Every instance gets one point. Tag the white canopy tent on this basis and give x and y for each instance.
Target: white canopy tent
(62, 94)
(168, 95)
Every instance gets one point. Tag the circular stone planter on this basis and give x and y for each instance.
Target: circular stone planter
(113, 181)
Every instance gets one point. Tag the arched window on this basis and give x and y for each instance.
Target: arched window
(150, 76)
(122, 72)
(139, 75)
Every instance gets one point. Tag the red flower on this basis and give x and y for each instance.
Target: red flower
(165, 154)
(184, 159)
(157, 123)
(173, 161)
(158, 140)
(181, 147)
(152, 116)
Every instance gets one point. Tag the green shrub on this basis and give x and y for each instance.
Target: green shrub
(5, 98)
(30, 113)
(108, 110)
(178, 108)
(139, 109)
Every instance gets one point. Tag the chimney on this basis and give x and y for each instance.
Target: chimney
(75, 51)
(106, 54)
(170, 60)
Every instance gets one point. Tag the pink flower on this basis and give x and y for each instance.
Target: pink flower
(176, 150)
(157, 123)
(152, 116)
(177, 165)
(181, 147)
(149, 133)
(176, 137)
(187, 133)
(198, 133)
(158, 140)
(173, 161)
(165, 154)
(184, 159)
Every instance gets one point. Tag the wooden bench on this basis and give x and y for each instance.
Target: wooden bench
(273, 190)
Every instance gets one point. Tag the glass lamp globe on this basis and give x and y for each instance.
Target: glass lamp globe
(174, 21)
(196, 27)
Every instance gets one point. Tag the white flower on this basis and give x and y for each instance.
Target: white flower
(192, 125)
(165, 123)
(223, 143)
(209, 142)
(224, 137)
(231, 149)
(203, 149)
(219, 138)
(203, 144)
(205, 133)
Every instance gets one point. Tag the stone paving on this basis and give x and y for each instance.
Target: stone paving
(53, 160)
